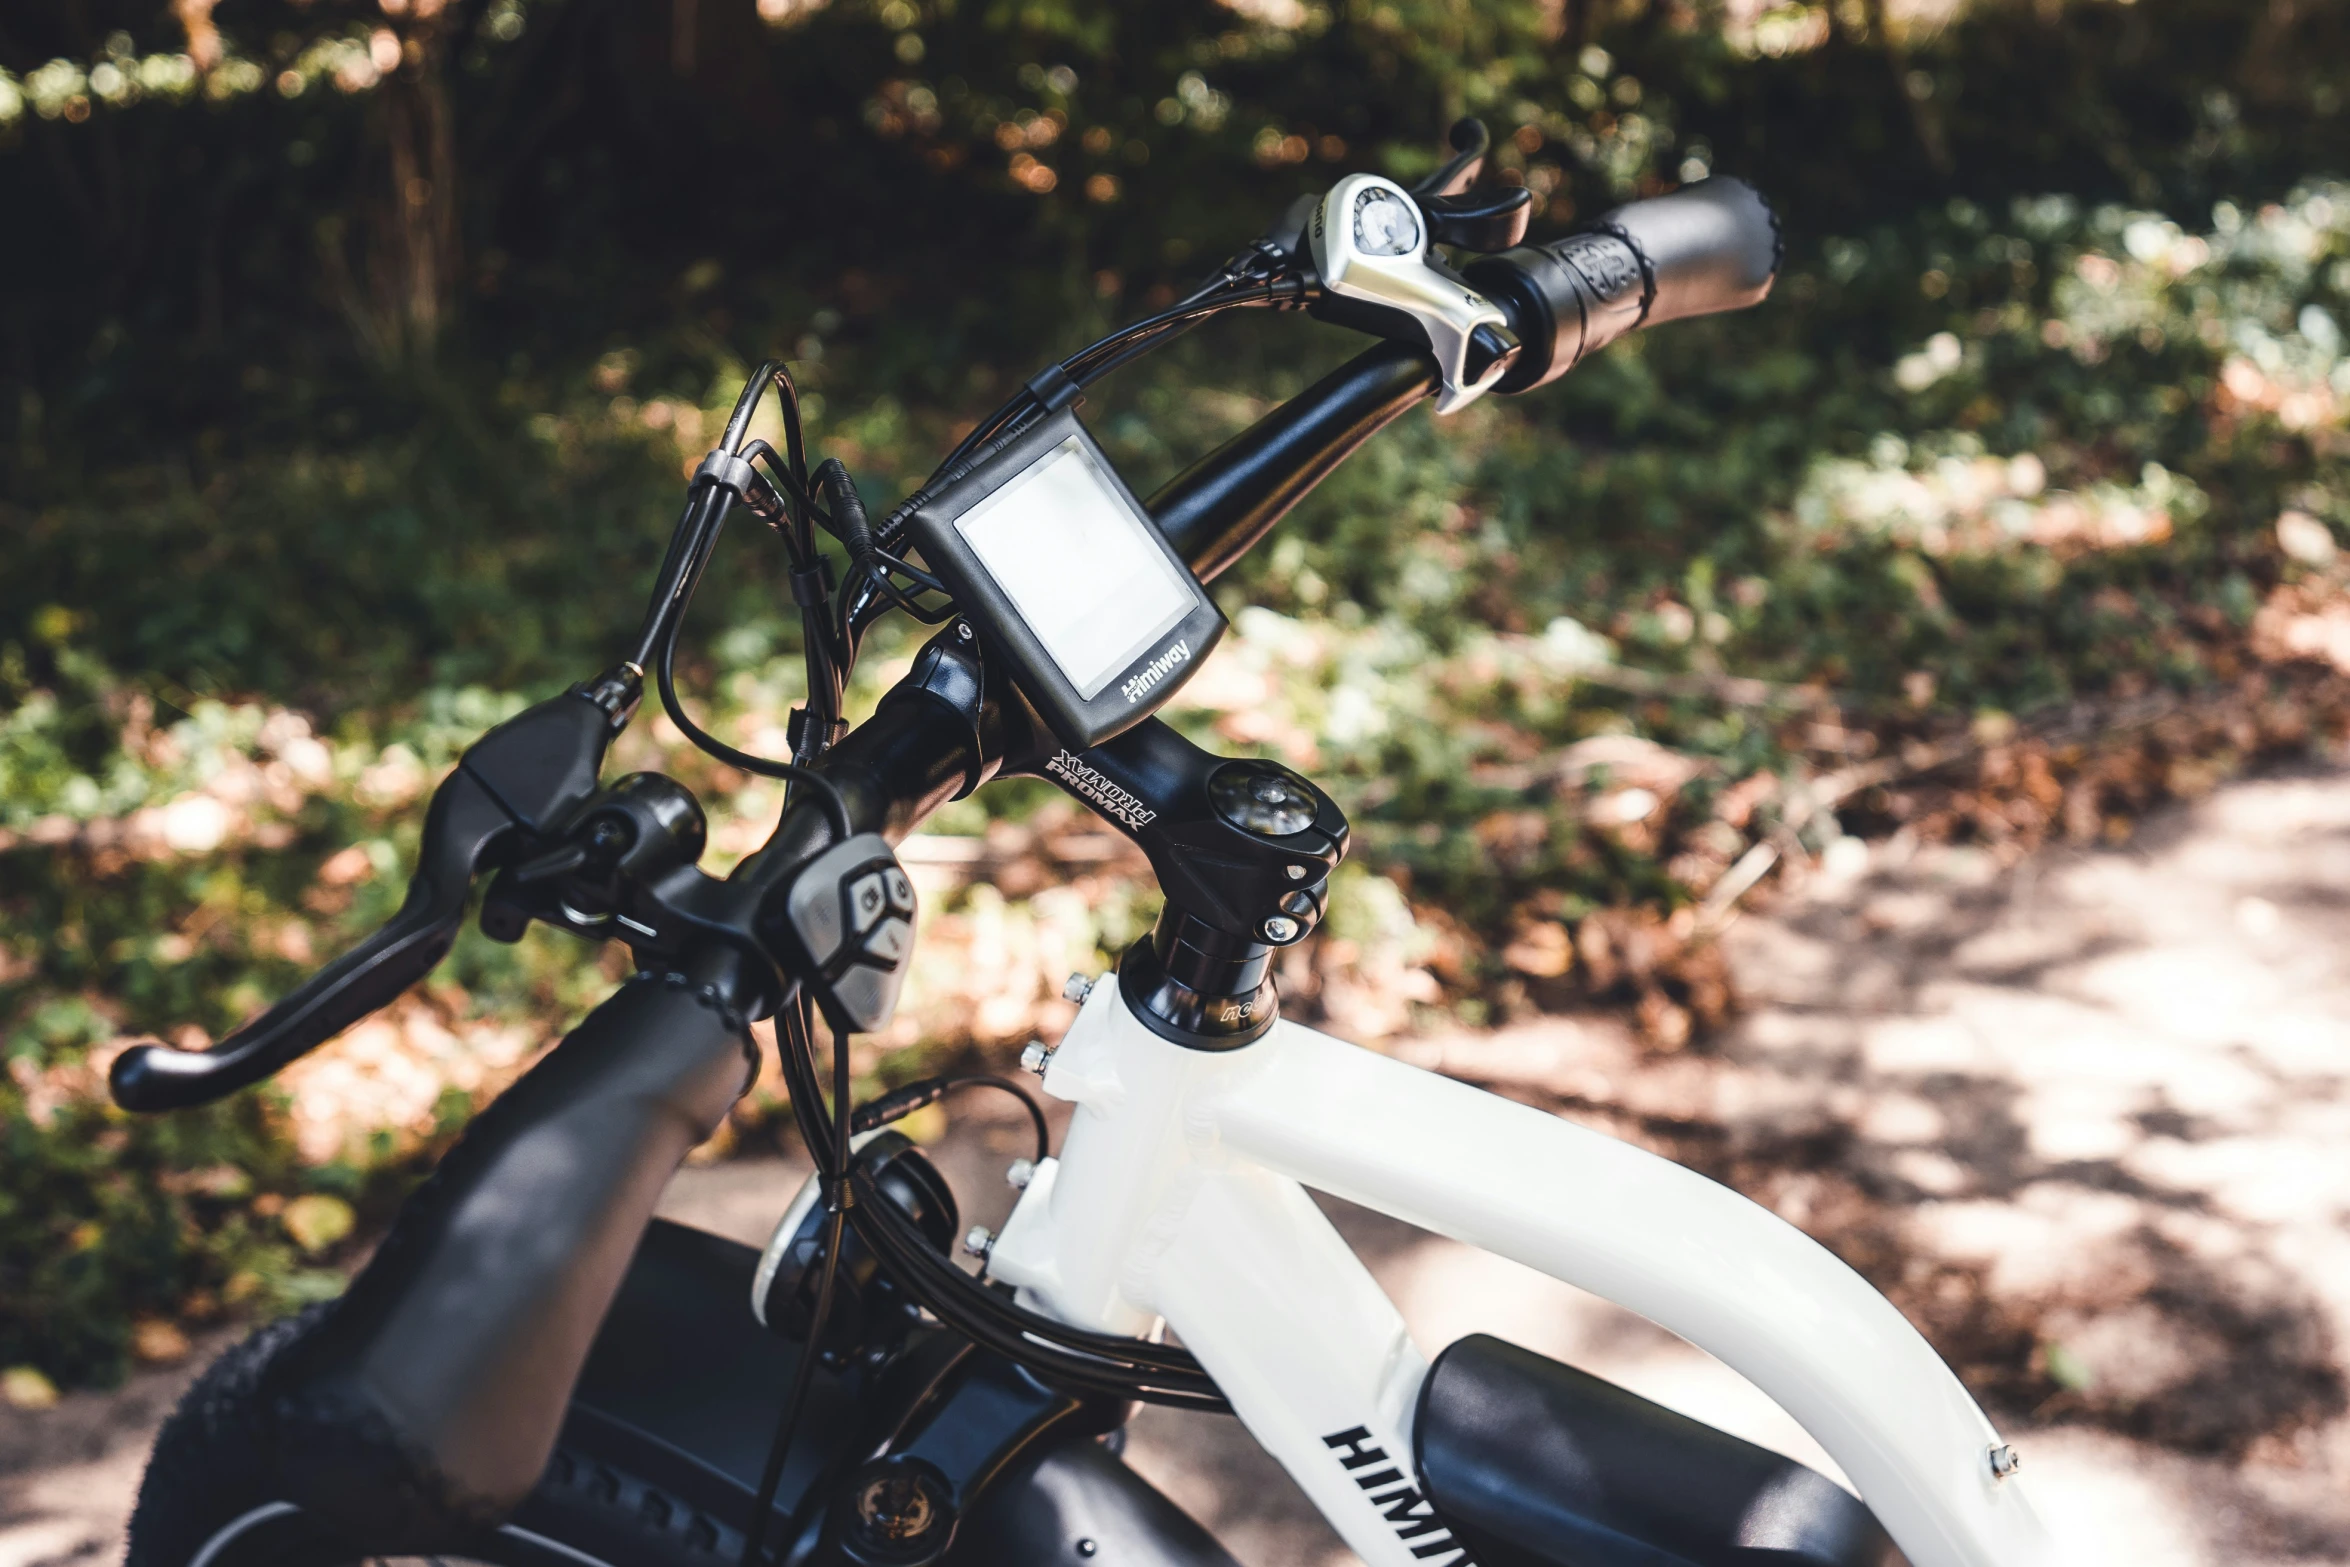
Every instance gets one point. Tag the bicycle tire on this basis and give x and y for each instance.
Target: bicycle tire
(209, 1497)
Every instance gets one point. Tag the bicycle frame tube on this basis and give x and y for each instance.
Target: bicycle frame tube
(1180, 1194)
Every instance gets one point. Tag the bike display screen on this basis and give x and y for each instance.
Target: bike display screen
(1058, 565)
(1084, 571)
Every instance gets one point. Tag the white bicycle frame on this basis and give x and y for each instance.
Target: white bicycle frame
(1180, 1195)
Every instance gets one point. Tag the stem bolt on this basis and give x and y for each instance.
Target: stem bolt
(2004, 1461)
(1281, 928)
(1036, 1057)
(980, 1241)
(1077, 987)
(1022, 1171)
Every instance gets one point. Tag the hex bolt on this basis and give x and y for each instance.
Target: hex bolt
(1296, 872)
(1281, 928)
(1037, 1056)
(1077, 987)
(980, 1241)
(2005, 1461)
(1020, 1173)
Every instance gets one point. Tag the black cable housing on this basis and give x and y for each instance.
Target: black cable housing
(698, 547)
(803, 1374)
(899, 1103)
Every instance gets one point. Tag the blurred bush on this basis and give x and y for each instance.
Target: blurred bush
(363, 347)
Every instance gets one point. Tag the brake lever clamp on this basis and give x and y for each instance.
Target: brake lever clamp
(1370, 243)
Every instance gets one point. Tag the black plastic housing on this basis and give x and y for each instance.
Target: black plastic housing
(681, 1391)
(1537, 1464)
(1147, 679)
(869, 1308)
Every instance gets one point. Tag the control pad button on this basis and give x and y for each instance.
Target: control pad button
(867, 899)
(890, 942)
(901, 891)
(867, 995)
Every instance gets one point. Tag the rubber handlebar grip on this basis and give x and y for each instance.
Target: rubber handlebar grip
(1708, 247)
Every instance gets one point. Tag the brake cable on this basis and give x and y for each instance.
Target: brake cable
(794, 1022)
(1106, 1363)
(899, 1103)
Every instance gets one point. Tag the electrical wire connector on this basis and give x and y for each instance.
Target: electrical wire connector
(795, 734)
(1054, 389)
(724, 469)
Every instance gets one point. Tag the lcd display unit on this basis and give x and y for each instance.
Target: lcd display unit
(1056, 563)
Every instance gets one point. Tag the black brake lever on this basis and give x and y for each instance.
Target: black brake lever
(1483, 221)
(1470, 143)
(516, 785)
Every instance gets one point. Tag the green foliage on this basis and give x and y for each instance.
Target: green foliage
(303, 491)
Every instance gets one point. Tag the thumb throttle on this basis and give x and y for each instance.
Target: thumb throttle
(523, 778)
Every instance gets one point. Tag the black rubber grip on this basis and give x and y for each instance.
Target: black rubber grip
(1706, 248)
(425, 1407)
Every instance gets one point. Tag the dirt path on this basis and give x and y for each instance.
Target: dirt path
(2087, 1120)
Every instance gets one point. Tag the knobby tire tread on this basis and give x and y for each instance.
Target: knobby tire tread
(211, 1464)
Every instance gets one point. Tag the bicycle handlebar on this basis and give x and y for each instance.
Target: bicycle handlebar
(1710, 247)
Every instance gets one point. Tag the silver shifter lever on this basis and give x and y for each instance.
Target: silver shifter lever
(1370, 242)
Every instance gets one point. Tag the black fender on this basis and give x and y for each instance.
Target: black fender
(1538, 1464)
(681, 1391)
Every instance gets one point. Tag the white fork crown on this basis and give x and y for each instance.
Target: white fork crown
(1180, 1197)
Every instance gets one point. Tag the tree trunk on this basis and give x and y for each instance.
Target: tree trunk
(400, 298)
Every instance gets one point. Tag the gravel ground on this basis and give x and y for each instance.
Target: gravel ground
(2086, 1118)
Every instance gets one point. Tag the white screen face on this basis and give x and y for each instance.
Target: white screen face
(1089, 581)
